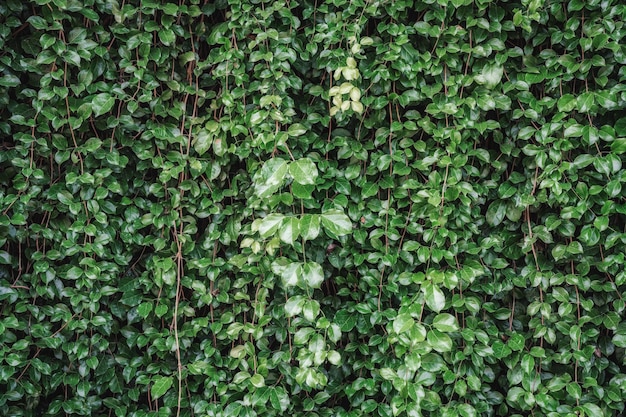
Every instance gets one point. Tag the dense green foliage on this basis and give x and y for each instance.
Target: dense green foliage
(308, 207)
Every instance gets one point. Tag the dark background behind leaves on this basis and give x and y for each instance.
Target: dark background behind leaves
(174, 193)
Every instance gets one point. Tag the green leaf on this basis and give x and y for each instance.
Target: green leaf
(38, 22)
(434, 297)
(303, 171)
(528, 364)
(270, 178)
(500, 350)
(167, 36)
(585, 102)
(336, 222)
(289, 230)
(144, 309)
(619, 145)
(619, 340)
(516, 342)
(160, 385)
(566, 103)
(496, 212)
(270, 224)
(592, 410)
(310, 226)
(312, 274)
(439, 341)
(102, 103)
(311, 309)
(279, 399)
(490, 75)
(370, 189)
(403, 323)
(202, 142)
(74, 273)
(574, 390)
(5, 259)
(296, 129)
(257, 380)
(294, 305)
(445, 322)
(292, 274)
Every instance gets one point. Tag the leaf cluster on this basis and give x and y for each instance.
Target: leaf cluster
(327, 208)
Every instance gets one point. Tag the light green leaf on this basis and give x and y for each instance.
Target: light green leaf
(291, 274)
(337, 223)
(528, 364)
(296, 129)
(160, 385)
(496, 212)
(490, 76)
(289, 230)
(310, 226)
(202, 142)
(585, 102)
(311, 309)
(435, 299)
(334, 357)
(102, 103)
(220, 146)
(439, 341)
(269, 225)
(144, 309)
(257, 380)
(403, 323)
(313, 274)
(592, 410)
(303, 171)
(270, 178)
(279, 399)
(566, 103)
(74, 273)
(294, 305)
(303, 335)
(445, 322)
(167, 36)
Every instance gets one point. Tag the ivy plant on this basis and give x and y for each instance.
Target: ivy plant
(320, 208)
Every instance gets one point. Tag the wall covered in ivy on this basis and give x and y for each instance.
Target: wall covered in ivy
(312, 208)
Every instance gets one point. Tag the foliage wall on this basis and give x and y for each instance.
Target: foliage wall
(308, 207)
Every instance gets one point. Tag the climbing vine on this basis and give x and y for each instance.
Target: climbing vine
(331, 208)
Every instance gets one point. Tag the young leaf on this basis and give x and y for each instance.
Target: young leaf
(435, 299)
(336, 222)
(490, 75)
(445, 322)
(160, 385)
(294, 305)
(496, 212)
(102, 103)
(270, 178)
(312, 274)
(289, 230)
(310, 226)
(270, 224)
(303, 171)
(202, 142)
(403, 323)
(439, 341)
(292, 274)
(257, 380)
